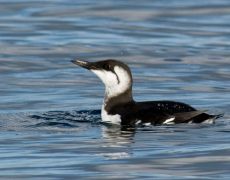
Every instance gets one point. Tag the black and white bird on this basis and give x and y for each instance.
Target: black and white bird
(119, 106)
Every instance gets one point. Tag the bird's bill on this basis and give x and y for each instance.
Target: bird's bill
(84, 64)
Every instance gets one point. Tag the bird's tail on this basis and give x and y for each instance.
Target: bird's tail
(218, 116)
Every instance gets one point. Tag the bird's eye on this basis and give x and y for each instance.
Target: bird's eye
(107, 67)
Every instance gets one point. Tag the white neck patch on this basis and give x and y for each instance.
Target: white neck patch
(115, 84)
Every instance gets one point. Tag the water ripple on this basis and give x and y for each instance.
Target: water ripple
(177, 50)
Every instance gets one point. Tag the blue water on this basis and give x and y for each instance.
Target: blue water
(49, 109)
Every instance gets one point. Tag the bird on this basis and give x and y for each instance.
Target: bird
(120, 108)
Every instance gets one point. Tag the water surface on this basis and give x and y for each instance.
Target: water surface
(49, 109)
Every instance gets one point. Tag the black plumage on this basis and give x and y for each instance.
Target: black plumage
(133, 113)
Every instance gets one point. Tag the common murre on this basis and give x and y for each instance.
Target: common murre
(120, 108)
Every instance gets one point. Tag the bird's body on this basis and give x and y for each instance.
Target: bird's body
(120, 108)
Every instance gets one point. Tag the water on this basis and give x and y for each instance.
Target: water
(49, 108)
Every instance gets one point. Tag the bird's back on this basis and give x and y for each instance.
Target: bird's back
(159, 112)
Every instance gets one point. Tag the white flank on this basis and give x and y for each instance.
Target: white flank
(169, 121)
(138, 122)
(113, 119)
(147, 124)
(209, 121)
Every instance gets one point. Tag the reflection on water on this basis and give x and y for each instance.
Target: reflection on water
(49, 122)
(71, 146)
(120, 141)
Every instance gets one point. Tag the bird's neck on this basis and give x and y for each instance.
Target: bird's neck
(118, 99)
